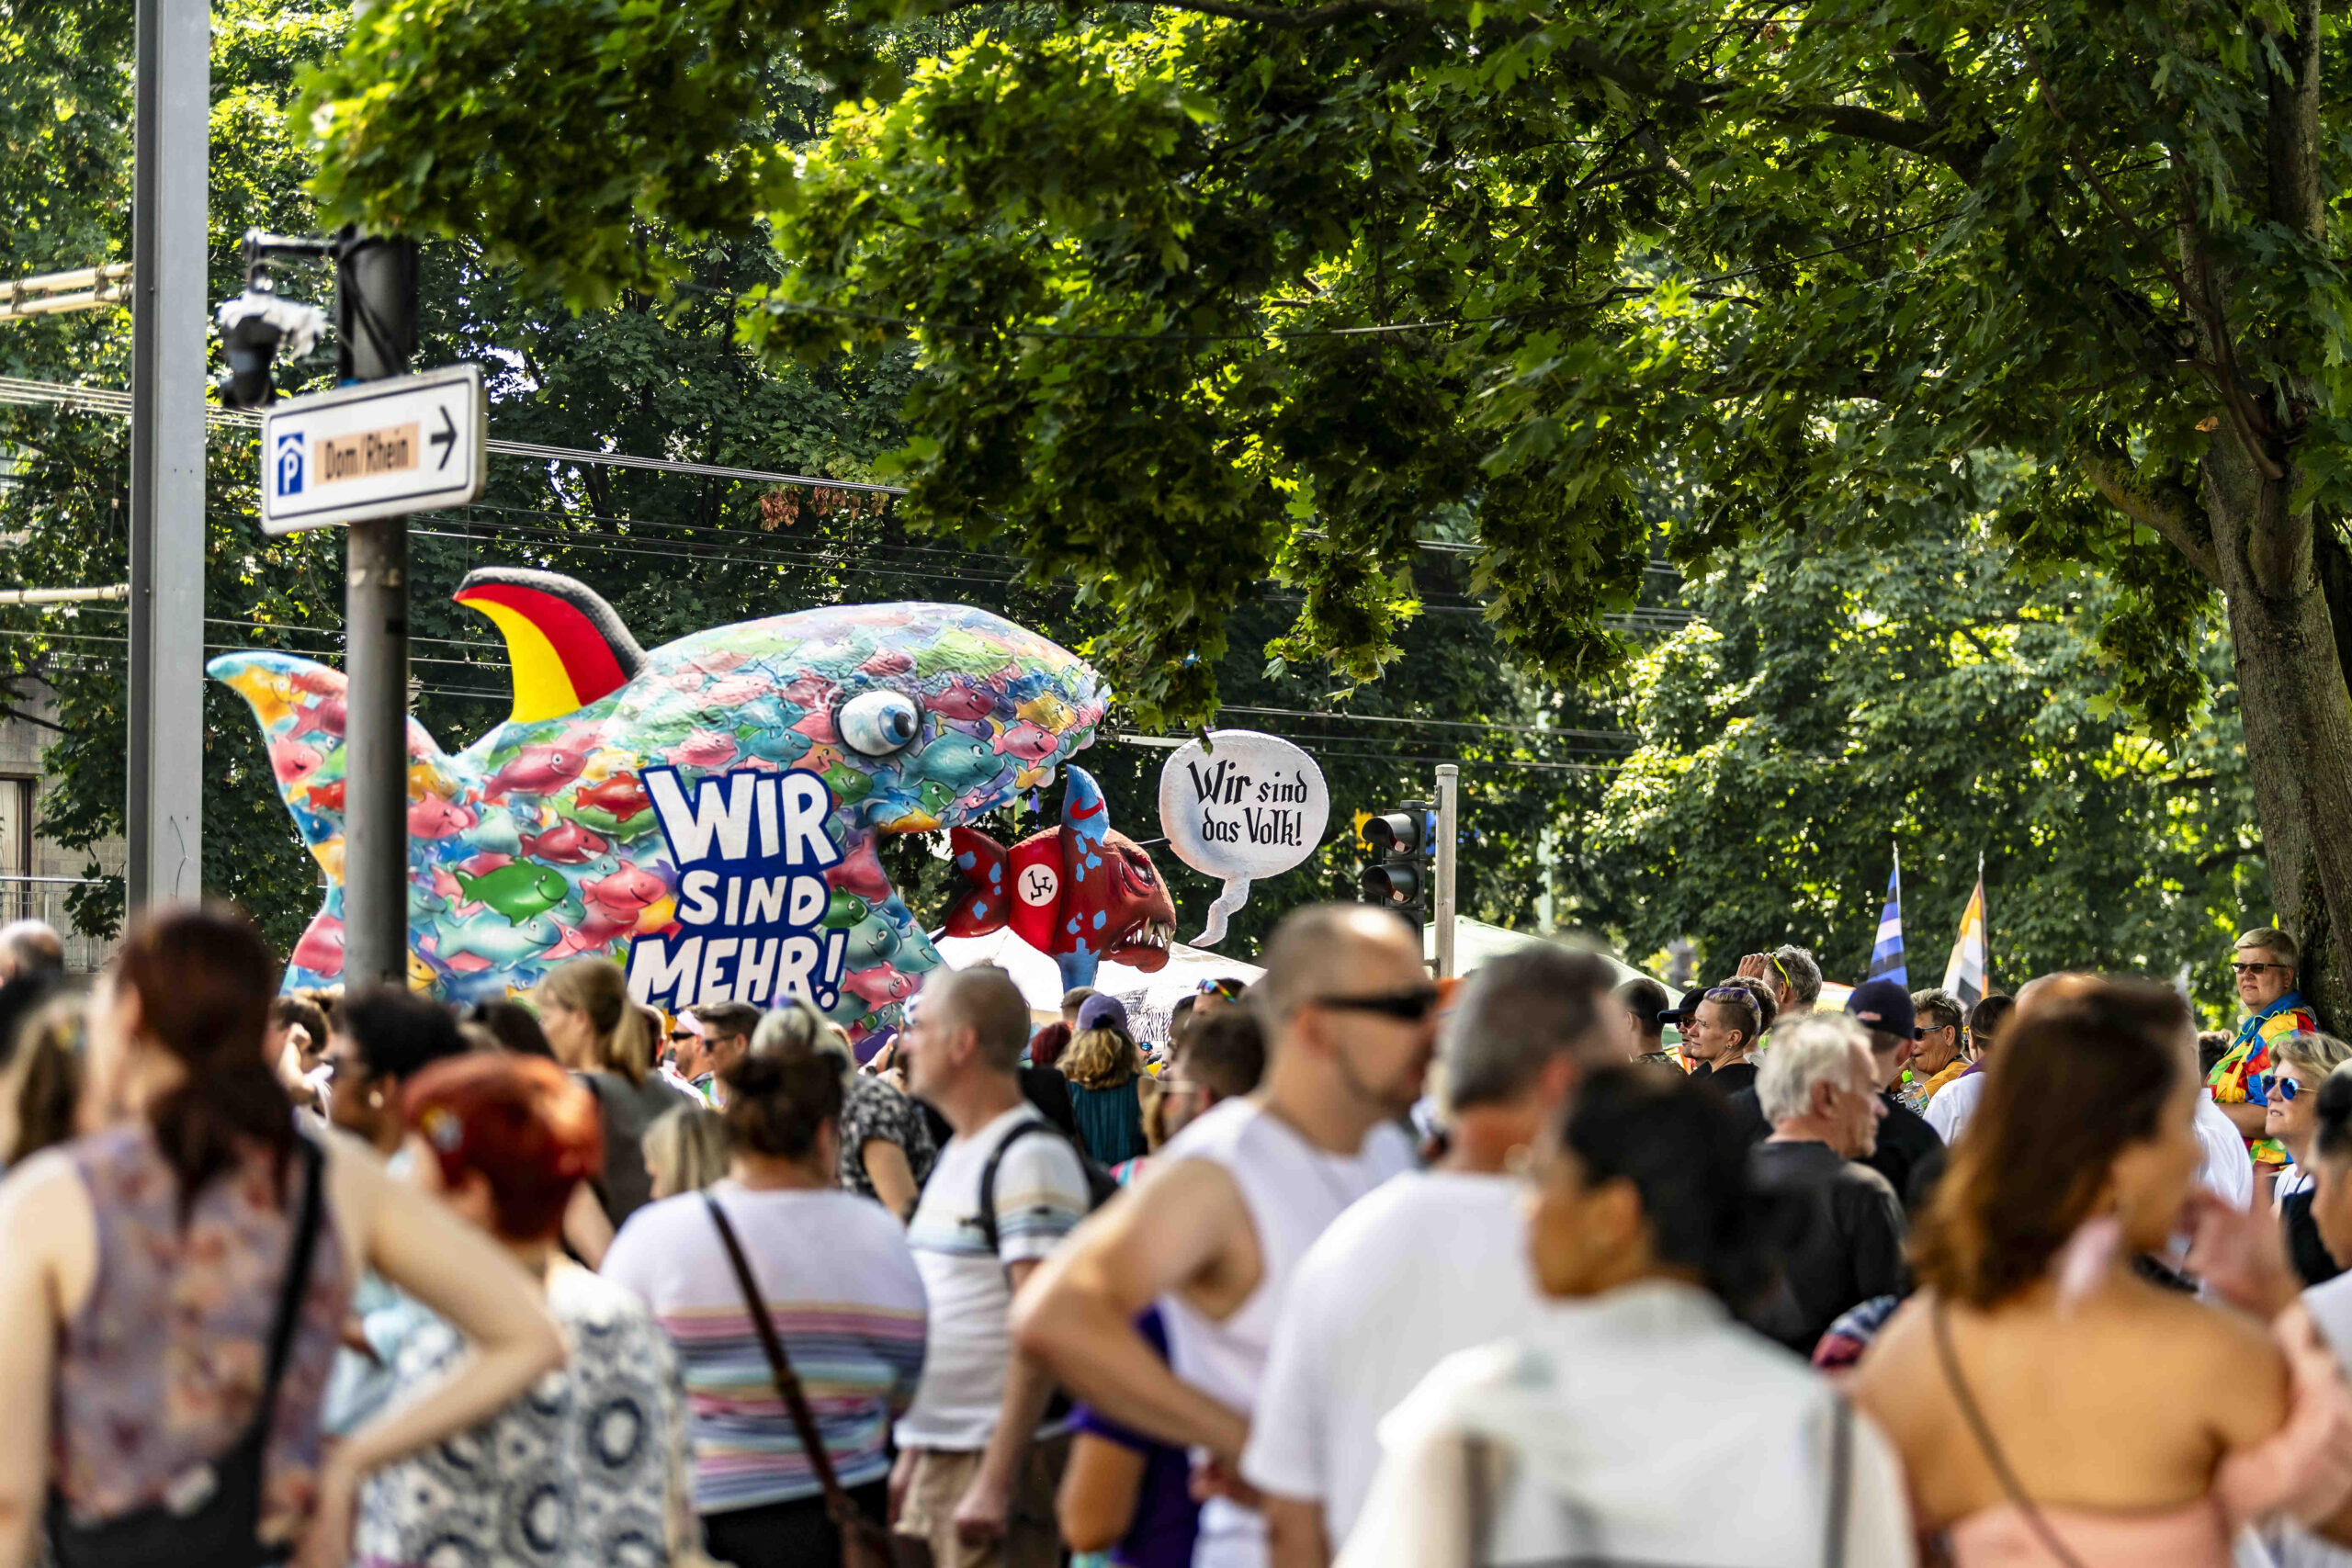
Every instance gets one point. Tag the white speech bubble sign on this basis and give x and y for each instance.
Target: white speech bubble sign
(1244, 805)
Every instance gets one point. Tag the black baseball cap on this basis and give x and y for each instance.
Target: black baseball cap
(1883, 1004)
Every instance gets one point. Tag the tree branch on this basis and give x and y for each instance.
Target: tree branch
(2168, 507)
(8, 712)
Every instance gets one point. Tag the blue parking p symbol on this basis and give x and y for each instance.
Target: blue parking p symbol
(289, 463)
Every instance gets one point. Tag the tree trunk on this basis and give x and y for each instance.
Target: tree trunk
(2297, 719)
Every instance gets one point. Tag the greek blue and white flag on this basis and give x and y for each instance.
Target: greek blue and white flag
(1886, 958)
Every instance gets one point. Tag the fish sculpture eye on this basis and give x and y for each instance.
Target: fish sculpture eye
(878, 723)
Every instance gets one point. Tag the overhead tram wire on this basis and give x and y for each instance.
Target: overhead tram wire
(115, 403)
(1507, 765)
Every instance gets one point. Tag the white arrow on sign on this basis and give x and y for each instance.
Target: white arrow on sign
(378, 449)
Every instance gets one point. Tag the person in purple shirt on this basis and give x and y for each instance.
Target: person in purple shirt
(1124, 1492)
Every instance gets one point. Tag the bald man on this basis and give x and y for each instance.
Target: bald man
(1217, 1227)
(978, 1463)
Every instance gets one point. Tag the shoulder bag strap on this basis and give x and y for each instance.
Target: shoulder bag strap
(846, 1519)
(1941, 1316)
(1841, 1481)
(299, 1255)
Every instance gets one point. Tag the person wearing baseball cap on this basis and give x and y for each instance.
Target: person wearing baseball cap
(1909, 1155)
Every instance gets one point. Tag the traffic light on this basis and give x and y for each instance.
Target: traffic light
(1406, 842)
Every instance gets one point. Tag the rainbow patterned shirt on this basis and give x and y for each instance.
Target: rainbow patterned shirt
(2243, 1075)
(843, 1293)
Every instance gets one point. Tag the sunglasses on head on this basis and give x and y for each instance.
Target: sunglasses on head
(1230, 989)
(1409, 1006)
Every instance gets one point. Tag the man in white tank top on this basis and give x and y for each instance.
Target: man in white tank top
(1231, 1203)
(1432, 1263)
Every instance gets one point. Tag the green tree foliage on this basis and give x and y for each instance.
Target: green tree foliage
(641, 374)
(1225, 289)
(1835, 707)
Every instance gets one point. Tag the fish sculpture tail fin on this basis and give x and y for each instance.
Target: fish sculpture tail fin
(565, 646)
(987, 901)
(300, 706)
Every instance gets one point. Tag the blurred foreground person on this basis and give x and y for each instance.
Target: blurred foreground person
(174, 1287)
(1215, 1231)
(685, 1150)
(1431, 1263)
(40, 1083)
(1839, 1242)
(590, 1468)
(30, 950)
(2052, 1405)
(380, 1038)
(1635, 1422)
(836, 1283)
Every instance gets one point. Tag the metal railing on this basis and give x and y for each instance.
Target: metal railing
(43, 898)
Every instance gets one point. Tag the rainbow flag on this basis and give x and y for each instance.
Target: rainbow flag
(1964, 974)
(1886, 958)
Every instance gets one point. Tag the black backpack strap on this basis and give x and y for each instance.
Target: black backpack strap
(986, 1218)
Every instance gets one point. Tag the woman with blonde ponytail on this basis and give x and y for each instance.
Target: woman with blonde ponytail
(604, 1037)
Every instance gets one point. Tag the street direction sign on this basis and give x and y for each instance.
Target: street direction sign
(376, 449)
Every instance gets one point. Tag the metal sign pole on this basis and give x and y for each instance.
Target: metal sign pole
(375, 831)
(1449, 777)
(377, 290)
(162, 809)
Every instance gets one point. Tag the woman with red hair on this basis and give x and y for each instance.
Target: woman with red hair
(590, 1468)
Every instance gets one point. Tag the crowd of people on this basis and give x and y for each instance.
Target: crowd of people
(1356, 1267)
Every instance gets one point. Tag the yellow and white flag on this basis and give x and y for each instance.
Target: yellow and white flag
(1965, 976)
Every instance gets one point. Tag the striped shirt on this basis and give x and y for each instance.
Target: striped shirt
(1040, 1197)
(845, 1299)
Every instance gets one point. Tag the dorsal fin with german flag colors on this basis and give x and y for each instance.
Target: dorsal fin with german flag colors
(566, 646)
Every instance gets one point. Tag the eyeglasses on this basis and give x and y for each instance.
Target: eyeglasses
(1228, 988)
(1409, 1006)
(2259, 968)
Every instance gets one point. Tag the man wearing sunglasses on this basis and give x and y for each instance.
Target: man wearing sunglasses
(1435, 1262)
(1234, 1202)
(2263, 966)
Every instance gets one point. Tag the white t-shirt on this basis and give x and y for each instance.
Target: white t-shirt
(1426, 1266)
(840, 1286)
(2228, 1170)
(1040, 1197)
(1954, 1103)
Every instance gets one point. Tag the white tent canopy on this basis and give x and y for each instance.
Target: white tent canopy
(1149, 999)
(1476, 942)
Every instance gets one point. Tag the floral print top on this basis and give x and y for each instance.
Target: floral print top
(873, 1109)
(160, 1372)
(588, 1470)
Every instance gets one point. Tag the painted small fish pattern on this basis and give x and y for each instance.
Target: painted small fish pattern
(537, 842)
